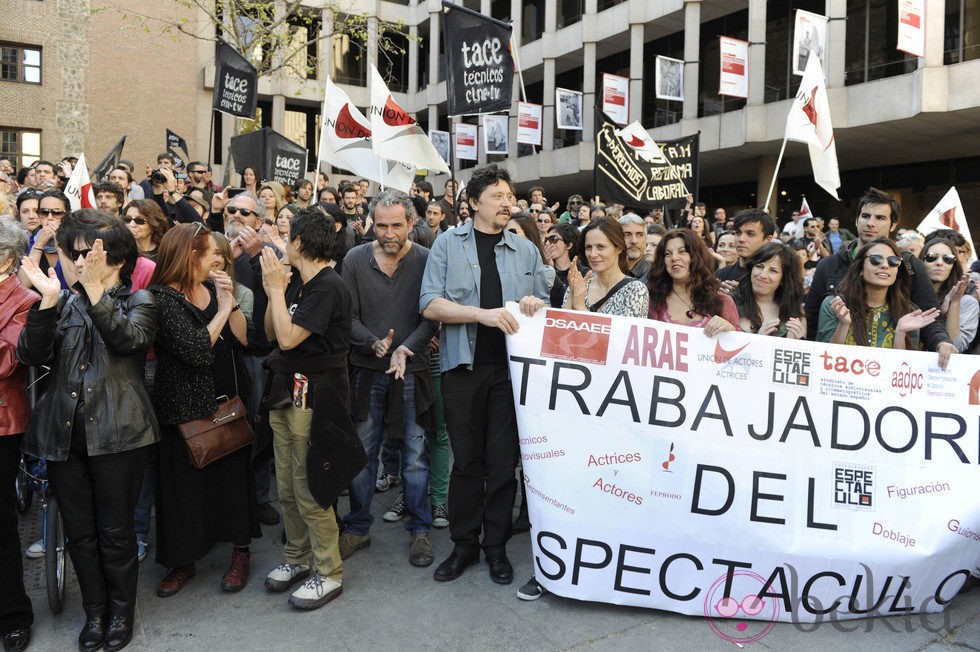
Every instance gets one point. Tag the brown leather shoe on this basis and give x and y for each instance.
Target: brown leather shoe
(237, 575)
(175, 580)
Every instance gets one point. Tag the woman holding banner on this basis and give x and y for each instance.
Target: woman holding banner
(873, 306)
(771, 303)
(683, 286)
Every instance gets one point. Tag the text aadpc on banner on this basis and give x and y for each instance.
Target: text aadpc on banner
(666, 469)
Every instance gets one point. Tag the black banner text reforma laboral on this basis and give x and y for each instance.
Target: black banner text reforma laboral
(479, 63)
(623, 176)
(236, 83)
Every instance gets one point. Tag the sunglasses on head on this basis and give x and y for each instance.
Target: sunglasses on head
(231, 210)
(877, 259)
(51, 211)
(139, 220)
(932, 257)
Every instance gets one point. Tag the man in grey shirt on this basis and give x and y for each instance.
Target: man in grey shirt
(392, 389)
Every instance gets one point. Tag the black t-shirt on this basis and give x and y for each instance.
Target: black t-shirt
(491, 346)
(323, 307)
(734, 272)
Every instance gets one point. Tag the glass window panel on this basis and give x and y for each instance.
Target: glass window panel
(32, 75)
(32, 57)
(31, 142)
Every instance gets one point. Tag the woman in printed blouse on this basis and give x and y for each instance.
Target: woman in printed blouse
(873, 306)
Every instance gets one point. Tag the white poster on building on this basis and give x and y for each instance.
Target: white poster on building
(616, 98)
(466, 135)
(734, 79)
(569, 109)
(529, 123)
(809, 35)
(495, 133)
(440, 140)
(742, 478)
(912, 27)
(670, 79)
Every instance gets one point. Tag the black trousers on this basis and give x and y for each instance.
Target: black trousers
(15, 606)
(97, 496)
(482, 425)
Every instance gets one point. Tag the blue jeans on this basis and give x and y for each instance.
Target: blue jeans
(414, 458)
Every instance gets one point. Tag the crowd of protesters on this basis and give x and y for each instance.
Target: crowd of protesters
(332, 314)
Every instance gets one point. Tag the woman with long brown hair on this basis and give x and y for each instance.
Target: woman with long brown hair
(147, 223)
(770, 299)
(873, 306)
(683, 286)
(199, 321)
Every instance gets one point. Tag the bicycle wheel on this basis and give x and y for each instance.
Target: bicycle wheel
(22, 490)
(55, 562)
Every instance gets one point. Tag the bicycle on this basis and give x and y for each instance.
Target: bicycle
(32, 479)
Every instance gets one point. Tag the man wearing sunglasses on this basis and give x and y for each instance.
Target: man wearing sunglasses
(878, 215)
(570, 216)
(197, 178)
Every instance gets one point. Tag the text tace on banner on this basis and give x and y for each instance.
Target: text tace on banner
(616, 97)
(236, 83)
(479, 63)
(734, 79)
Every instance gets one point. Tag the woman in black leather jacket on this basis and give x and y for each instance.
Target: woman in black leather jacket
(95, 422)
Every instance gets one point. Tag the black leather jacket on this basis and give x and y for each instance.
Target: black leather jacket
(97, 354)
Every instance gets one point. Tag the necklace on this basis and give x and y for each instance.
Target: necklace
(689, 313)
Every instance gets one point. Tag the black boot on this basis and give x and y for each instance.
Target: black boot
(92, 636)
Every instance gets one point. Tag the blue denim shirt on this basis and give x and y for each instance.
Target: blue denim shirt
(453, 272)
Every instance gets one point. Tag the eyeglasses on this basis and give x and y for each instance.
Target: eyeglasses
(534, 210)
(51, 211)
(552, 239)
(231, 210)
(574, 203)
(932, 257)
(543, 220)
(877, 259)
(75, 253)
(139, 220)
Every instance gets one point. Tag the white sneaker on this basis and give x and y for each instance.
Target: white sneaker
(317, 591)
(284, 576)
(35, 550)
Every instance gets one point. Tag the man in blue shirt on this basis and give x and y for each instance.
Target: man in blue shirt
(471, 272)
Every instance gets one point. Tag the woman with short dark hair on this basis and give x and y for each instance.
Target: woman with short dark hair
(94, 424)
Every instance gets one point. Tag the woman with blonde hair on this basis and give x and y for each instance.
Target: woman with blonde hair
(271, 200)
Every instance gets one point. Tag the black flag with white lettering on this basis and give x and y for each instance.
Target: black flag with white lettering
(177, 147)
(275, 157)
(236, 83)
(623, 176)
(479, 62)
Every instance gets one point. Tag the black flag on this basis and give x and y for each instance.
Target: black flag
(110, 161)
(479, 63)
(272, 155)
(177, 147)
(625, 177)
(236, 83)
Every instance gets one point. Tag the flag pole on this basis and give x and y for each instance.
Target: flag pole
(775, 173)
(452, 165)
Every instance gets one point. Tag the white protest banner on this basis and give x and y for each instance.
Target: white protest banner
(616, 97)
(529, 123)
(78, 188)
(809, 35)
(466, 141)
(948, 214)
(796, 480)
(496, 132)
(734, 79)
(911, 27)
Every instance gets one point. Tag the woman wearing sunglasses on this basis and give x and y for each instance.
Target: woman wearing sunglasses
(95, 423)
(873, 306)
(950, 283)
(147, 223)
(200, 322)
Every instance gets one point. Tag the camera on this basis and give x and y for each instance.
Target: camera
(157, 177)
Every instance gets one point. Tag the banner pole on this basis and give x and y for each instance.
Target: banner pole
(452, 165)
(775, 173)
(210, 140)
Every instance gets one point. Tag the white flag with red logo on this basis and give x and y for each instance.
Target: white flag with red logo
(395, 134)
(805, 209)
(809, 122)
(345, 141)
(948, 214)
(639, 139)
(78, 188)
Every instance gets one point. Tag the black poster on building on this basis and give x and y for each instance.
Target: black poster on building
(272, 155)
(177, 147)
(623, 176)
(479, 63)
(236, 83)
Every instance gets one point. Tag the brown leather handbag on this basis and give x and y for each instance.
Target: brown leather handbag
(216, 436)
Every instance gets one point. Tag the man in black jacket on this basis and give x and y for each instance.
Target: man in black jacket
(878, 214)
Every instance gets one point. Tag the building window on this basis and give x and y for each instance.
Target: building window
(655, 112)
(781, 83)
(962, 29)
(301, 48)
(348, 63)
(20, 63)
(393, 57)
(872, 36)
(569, 12)
(20, 146)
(736, 25)
(532, 21)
